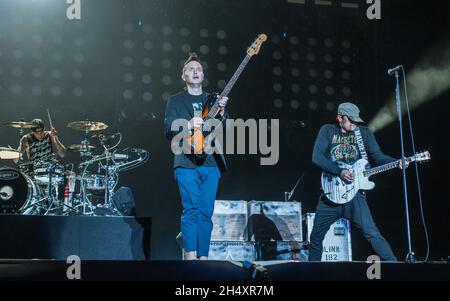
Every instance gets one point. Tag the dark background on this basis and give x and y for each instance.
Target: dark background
(121, 61)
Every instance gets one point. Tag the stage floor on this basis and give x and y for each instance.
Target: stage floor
(160, 270)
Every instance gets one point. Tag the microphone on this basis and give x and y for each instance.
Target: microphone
(392, 70)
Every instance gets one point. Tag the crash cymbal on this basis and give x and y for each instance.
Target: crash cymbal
(80, 148)
(7, 153)
(20, 124)
(87, 126)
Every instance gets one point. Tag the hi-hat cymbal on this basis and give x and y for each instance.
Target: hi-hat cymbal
(8, 153)
(87, 126)
(80, 148)
(20, 124)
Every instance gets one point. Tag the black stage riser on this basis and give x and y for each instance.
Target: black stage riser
(89, 237)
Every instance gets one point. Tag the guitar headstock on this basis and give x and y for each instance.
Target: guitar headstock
(254, 48)
(422, 156)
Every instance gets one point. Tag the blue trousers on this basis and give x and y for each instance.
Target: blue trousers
(358, 212)
(198, 187)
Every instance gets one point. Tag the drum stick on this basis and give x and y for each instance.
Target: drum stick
(49, 118)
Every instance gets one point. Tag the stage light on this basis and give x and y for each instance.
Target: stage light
(167, 80)
(204, 49)
(77, 74)
(167, 30)
(18, 54)
(222, 67)
(346, 44)
(204, 33)
(313, 105)
(185, 48)
(36, 72)
(127, 94)
(221, 84)
(278, 103)
(428, 79)
(221, 34)
(312, 41)
(79, 57)
(277, 71)
(57, 74)
(328, 43)
(36, 90)
(146, 79)
(165, 96)
(79, 41)
(312, 89)
(294, 40)
(294, 56)
(148, 45)
(77, 91)
(295, 88)
(347, 91)
(129, 44)
(328, 74)
(328, 58)
(147, 62)
(127, 60)
(345, 75)
(57, 57)
(17, 71)
(128, 77)
(184, 32)
(311, 57)
(295, 104)
(222, 50)
(295, 72)
(313, 73)
(277, 87)
(166, 63)
(37, 55)
(346, 59)
(16, 89)
(167, 47)
(329, 90)
(330, 106)
(56, 91)
(277, 55)
(147, 96)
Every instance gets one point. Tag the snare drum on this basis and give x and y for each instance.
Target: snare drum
(17, 192)
(43, 170)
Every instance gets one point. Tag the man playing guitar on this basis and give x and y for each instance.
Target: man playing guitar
(336, 145)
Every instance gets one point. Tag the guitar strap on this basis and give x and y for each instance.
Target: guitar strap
(359, 140)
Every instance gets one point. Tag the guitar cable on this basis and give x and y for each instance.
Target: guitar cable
(416, 167)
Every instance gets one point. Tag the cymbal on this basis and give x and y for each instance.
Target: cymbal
(20, 124)
(8, 153)
(87, 126)
(80, 148)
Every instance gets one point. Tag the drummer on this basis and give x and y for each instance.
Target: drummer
(40, 145)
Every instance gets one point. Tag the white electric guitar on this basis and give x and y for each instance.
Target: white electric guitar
(340, 192)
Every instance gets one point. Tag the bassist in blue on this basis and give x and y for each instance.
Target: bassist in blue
(197, 177)
(338, 144)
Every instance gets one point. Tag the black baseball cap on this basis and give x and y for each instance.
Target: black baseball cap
(39, 124)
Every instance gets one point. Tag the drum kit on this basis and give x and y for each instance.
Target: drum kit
(50, 188)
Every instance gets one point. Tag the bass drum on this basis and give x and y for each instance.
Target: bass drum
(18, 193)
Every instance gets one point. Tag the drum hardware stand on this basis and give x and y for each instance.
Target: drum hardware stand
(31, 205)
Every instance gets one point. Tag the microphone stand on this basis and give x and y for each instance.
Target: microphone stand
(410, 257)
(288, 194)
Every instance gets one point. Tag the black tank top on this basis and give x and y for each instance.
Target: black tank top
(40, 150)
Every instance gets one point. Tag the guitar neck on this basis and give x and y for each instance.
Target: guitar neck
(385, 167)
(215, 108)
